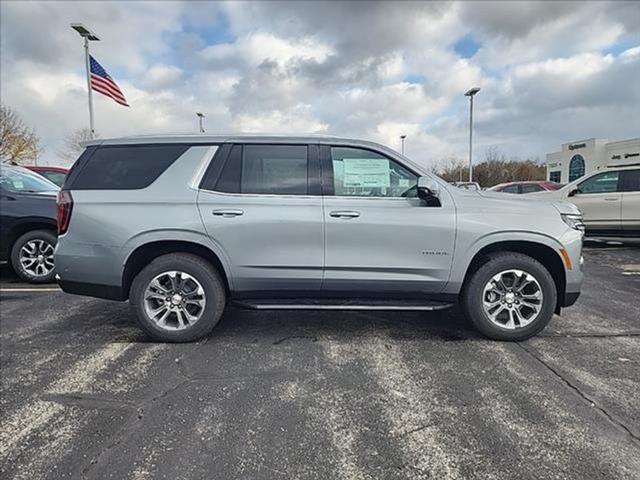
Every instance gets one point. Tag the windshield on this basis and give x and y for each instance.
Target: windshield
(20, 180)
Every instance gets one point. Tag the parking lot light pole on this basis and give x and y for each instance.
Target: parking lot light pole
(470, 94)
(85, 33)
(201, 120)
(402, 137)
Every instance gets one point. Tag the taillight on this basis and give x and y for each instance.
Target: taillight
(64, 206)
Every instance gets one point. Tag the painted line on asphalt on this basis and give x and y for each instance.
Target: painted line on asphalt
(30, 290)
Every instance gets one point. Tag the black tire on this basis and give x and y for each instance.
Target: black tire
(48, 237)
(200, 270)
(472, 295)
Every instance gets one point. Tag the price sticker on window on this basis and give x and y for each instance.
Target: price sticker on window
(366, 172)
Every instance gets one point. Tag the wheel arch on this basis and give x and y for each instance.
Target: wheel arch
(541, 252)
(25, 225)
(143, 254)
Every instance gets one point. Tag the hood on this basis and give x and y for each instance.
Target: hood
(532, 203)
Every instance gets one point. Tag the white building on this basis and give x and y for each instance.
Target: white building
(584, 156)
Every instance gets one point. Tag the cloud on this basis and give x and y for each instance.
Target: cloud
(549, 72)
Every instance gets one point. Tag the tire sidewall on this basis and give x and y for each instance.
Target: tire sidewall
(206, 275)
(473, 295)
(44, 235)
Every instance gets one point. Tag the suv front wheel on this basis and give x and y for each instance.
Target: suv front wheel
(510, 297)
(178, 297)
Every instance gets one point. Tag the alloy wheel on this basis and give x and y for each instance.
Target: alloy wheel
(174, 300)
(512, 299)
(36, 258)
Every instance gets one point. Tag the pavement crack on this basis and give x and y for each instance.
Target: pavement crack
(87, 401)
(585, 398)
(296, 337)
(131, 426)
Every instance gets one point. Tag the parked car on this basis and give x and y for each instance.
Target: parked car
(56, 175)
(609, 200)
(526, 187)
(467, 185)
(28, 223)
(184, 225)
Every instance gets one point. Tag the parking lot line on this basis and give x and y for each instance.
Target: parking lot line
(52, 289)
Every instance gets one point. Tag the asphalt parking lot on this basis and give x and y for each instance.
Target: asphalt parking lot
(323, 394)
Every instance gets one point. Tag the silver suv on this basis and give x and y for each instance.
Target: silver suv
(183, 226)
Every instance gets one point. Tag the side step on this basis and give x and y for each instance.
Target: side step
(340, 304)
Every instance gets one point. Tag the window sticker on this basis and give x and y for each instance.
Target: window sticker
(366, 172)
(403, 182)
(18, 184)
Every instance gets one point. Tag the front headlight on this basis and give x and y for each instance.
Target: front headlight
(574, 220)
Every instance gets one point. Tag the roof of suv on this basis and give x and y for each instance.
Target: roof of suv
(243, 137)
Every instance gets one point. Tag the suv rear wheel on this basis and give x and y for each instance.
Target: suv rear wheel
(178, 297)
(510, 297)
(32, 256)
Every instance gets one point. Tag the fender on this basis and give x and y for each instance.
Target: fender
(464, 254)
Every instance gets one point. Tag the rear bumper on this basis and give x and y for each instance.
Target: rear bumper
(107, 292)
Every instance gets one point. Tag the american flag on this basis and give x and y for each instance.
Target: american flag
(103, 83)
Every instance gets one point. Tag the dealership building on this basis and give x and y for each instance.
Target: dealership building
(578, 158)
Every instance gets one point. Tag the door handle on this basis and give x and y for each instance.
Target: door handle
(228, 212)
(344, 214)
(612, 199)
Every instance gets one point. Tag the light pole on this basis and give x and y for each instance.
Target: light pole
(88, 36)
(470, 94)
(201, 120)
(402, 137)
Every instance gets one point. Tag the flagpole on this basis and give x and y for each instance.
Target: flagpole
(87, 35)
(88, 68)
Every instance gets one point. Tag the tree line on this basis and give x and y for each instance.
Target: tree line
(494, 169)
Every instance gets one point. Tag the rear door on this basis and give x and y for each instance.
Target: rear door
(263, 209)
(599, 198)
(630, 218)
(381, 238)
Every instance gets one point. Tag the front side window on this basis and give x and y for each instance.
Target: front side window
(20, 180)
(55, 177)
(363, 173)
(265, 169)
(605, 182)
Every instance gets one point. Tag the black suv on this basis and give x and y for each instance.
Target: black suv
(28, 232)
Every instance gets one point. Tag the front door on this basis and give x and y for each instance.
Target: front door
(381, 238)
(263, 213)
(599, 198)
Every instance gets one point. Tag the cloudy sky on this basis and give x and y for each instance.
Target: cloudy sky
(549, 72)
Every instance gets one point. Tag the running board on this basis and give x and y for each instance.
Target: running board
(341, 304)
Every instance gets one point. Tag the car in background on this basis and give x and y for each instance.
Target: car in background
(28, 230)
(608, 198)
(526, 187)
(56, 175)
(468, 185)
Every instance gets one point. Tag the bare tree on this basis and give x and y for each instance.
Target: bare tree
(18, 143)
(72, 148)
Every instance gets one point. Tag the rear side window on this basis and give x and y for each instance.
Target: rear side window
(125, 167)
(530, 188)
(265, 169)
(510, 189)
(631, 180)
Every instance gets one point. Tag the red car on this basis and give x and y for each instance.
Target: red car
(56, 175)
(526, 187)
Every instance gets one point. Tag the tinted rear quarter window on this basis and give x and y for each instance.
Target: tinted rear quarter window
(125, 167)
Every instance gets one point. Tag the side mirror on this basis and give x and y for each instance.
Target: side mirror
(574, 192)
(429, 191)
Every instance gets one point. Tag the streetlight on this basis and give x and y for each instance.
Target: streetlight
(470, 94)
(88, 35)
(402, 137)
(201, 120)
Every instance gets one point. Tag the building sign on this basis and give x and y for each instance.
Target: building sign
(575, 146)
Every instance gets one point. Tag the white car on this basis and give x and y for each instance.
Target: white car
(608, 198)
